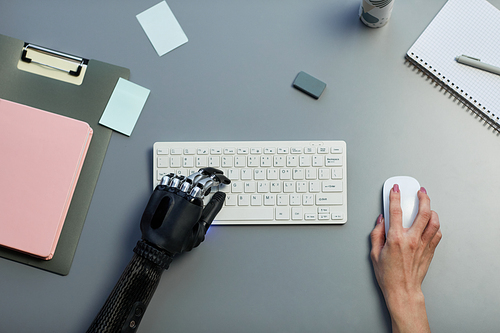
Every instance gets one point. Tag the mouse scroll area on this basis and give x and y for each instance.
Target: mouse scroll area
(408, 188)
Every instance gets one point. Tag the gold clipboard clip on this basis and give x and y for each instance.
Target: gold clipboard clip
(51, 63)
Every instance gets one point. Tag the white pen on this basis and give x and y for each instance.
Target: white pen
(476, 63)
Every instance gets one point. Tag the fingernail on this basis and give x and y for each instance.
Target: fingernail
(379, 219)
(395, 188)
(423, 190)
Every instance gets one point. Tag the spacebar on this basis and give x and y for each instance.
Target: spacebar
(245, 214)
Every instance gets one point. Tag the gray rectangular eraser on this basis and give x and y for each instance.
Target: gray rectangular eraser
(309, 85)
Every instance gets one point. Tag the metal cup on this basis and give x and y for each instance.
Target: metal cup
(375, 13)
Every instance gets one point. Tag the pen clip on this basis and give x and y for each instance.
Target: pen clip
(466, 56)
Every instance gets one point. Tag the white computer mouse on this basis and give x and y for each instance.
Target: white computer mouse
(408, 188)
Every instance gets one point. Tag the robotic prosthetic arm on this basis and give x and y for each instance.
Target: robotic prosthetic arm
(174, 221)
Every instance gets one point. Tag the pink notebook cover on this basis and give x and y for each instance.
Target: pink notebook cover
(41, 155)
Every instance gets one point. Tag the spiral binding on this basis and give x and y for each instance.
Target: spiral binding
(472, 104)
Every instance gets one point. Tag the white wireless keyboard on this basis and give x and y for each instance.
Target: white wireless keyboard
(272, 182)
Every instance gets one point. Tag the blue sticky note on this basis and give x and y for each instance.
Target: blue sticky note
(124, 106)
(162, 28)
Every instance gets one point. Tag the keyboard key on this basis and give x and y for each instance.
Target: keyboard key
(324, 174)
(175, 162)
(225, 188)
(282, 200)
(214, 161)
(243, 200)
(163, 162)
(253, 161)
(201, 161)
(216, 151)
(237, 187)
(250, 187)
(231, 200)
(269, 200)
(295, 199)
(301, 187)
(256, 150)
(243, 150)
(298, 174)
(333, 161)
(246, 174)
(233, 174)
(256, 200)
(322, 150)
(282, 213)
(275, 187)
(305, 160)
(329, 199)
(285, 174)
(292, 161)
(288, 187)
(272, 174)
(310, 150)
(263, 187)
(337, 216)
(297, 213)
(279, 161)
(332, 186)
(266, 161)
(336, 150)
(162, 173)
(318, 160)
(227, 161)
(308, 199)
(188, 162)
(314, 186)
(259, 174)
(245, 214)
(283, 150)
(336, 173)
(202, 151)
(311, 173)
(269, 150)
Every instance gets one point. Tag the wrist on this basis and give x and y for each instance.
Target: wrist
(408, 313)
(153, 254)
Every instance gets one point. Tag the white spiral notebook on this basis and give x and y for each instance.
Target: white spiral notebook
(463, 27)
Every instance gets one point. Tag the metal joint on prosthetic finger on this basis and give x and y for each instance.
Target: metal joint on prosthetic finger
(175, 220)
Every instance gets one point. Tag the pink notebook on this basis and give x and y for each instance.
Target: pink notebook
(41, 155)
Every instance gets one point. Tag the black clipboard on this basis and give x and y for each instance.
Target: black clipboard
(85, 101)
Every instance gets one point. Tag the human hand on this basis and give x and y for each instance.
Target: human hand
(401, 261)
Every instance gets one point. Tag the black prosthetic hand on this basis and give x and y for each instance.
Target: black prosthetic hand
(175, 220)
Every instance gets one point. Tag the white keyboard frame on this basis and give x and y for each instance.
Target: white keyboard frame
(164, 149)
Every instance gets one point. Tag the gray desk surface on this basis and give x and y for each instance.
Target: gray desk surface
(232, 81)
